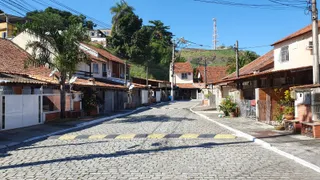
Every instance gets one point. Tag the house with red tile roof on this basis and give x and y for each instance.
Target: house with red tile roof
(289, 64)
(211, 73)
(183, 80)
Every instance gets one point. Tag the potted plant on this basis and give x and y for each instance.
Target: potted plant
(228, 107)
(278, 117)
(287, 103)
(288, 113)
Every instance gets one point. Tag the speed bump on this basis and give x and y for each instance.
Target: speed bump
(189, 136)
(125, 136)
(146, 136)
(156, 136)
(67, 137)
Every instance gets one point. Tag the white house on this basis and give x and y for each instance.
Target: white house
(183, 80)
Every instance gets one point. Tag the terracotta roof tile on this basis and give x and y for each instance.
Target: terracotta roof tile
(214, 73)
(182, 67)
(105, 54)
(263, 63)
(297, 33)
(190, 85)
(21, 79)
(12, 58)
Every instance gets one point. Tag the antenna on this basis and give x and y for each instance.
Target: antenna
(215, 34)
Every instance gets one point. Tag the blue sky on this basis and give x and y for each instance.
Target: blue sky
(193, 20)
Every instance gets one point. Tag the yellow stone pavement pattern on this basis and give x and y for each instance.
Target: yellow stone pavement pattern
(147, 136)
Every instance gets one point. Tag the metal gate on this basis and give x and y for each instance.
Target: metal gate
(212, 99)
(20, 111)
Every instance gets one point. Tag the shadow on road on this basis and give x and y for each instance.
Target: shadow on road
(151, 118)
(120, 154)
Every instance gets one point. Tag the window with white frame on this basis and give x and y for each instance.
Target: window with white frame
(284, 54)
(95, 68)
(184, 76)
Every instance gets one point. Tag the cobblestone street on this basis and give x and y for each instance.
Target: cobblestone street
(149, 158)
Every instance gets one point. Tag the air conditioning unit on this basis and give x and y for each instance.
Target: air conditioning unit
(310, 45)
(303, 98)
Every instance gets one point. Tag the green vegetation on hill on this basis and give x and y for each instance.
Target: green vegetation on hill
(222, 57)
(214, 57)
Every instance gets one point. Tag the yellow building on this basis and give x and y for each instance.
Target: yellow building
(7, 24)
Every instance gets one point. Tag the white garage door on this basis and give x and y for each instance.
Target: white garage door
(21, 111)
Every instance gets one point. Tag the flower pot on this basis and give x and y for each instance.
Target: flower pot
(232, 114)
(279, 128)
(289, 116)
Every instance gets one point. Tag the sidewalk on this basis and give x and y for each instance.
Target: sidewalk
(300, 146)
(17, 137)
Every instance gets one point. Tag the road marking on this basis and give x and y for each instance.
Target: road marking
(67, 137)
(156, 136)
(145, 136)
(126, 136)
(189, 136)
(224, 136)
(97, 136)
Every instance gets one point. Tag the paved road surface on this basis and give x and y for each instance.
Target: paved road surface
(114, 150)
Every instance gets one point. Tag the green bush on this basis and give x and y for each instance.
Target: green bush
(227, 106)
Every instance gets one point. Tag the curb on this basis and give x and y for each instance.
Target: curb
(262, 143)
(78, 126)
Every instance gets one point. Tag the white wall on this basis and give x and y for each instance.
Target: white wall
(23, 39)
(178, 78)
(299, 55)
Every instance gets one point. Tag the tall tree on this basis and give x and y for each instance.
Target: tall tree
(1, 11)
(58, 46)
(125, 24)
(245, 58)
(67, 17)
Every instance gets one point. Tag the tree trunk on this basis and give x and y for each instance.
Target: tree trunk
(63, 97)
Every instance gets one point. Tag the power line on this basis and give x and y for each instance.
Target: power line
(77, 12)
(31, 6)
(11, 8)
(275, 5)
(16, 5)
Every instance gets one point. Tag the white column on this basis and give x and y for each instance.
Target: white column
(257, 95)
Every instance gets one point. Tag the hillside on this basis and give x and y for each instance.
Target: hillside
(193, 56)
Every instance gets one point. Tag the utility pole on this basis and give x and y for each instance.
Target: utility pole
(237, 58)
(147, 71)
(205, 72)
(215, 34)
(172, 69)
(125, 73)
(315, 42)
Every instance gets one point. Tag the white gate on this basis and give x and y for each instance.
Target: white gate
(144, 97)
(158, 96)
(20, 111)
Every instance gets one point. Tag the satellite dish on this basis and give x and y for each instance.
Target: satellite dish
(131, 87)
(73, 79)
(52, 72)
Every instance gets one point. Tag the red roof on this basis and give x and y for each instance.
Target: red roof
(214, 73)
(297, 33)
(12, 58)
(105, 54)
(191, 85)
(183, 67)
(263, 63)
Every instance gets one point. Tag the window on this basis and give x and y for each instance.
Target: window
(4, 35)
(95, 68)
(92, 33)
(184, 76)
(104, 70)
(284, 54)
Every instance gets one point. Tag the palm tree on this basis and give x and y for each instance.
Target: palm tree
(57, 46)
(119, 10)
